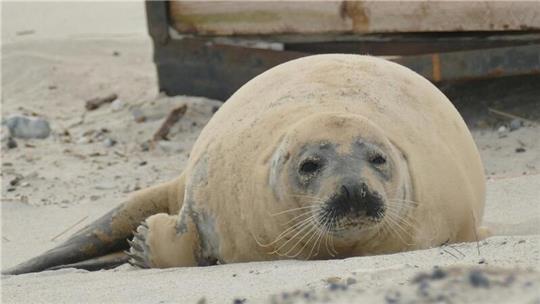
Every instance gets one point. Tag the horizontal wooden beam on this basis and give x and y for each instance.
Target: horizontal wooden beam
(256, 17)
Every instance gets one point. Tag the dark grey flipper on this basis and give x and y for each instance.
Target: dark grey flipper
(105, 262)
(95, 240)
(109, 233)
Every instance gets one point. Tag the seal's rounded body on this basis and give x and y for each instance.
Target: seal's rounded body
(349, 135)
(233, 153)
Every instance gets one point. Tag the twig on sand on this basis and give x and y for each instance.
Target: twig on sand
(173, 117)
(95, 103)
(69, 228)
(511, 116)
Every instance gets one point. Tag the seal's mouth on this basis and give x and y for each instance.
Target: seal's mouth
(352, 206)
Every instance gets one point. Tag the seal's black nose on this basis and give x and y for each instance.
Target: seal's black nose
(356, 199)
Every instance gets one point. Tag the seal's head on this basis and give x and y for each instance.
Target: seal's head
(342, 176)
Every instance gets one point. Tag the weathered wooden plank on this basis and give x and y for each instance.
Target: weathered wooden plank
(259, 17)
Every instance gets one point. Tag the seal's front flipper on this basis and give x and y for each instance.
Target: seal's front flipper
(159, 243)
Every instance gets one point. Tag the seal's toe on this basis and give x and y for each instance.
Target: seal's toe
(139, 251)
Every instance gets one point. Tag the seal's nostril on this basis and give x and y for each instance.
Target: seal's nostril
(363, 190)
(347, 194)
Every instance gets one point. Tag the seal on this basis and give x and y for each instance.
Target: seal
(320, 157)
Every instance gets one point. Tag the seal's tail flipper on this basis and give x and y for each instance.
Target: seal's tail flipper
(110, 232)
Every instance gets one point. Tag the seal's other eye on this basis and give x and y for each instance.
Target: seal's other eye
(378, 159)
(310, 166)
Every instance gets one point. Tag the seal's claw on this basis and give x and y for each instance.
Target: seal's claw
(139, 251)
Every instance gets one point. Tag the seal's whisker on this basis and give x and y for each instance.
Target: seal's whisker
(304, 224)
(285, 232)
(316, 198)
(299, 216)
(319, 237)
(395, 221)
(291, 210)
(304, 232)
(399, 217)
(394, 231)
(328, 234)
(293, 228)
(308, 233)
(332, 245)
(313, 233)
(405, 202)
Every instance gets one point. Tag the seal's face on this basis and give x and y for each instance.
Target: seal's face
(348, 185)
(343, 175)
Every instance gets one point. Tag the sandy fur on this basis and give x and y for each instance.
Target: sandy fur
(445, 167)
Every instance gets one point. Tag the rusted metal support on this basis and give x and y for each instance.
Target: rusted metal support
(199, 67)
(477, 64)
(406, 44)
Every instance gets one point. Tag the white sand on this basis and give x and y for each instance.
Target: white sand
(66, 181)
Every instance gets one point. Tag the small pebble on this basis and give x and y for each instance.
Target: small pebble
(503, 131)
(438, 274)
(351, 281)
(138, 115)
(520, 150)
(478, 279)
(84, 140)
(28, 127)
(392, 297)
(145, 146)
(333, 280)
(15, 181)
(117, 105)
(109, 142)
(515, 124)
(423, 288)
(239, 301)
(143, 163)
(11, 143)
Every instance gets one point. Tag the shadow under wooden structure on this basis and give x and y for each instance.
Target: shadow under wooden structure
(211, 48)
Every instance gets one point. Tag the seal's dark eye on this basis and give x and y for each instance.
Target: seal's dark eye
(378, 160)
(310, 166)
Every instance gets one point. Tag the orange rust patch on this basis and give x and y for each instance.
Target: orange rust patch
(357, 13)
(436, 64)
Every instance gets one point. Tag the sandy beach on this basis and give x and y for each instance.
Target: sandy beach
(92, 159)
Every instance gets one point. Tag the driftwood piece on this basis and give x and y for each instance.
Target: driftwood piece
(95, 103)
(173, 117)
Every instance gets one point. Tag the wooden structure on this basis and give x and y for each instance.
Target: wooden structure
(211, 48)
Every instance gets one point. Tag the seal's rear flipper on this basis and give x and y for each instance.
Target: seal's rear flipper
(105, 262)
(110, 232)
